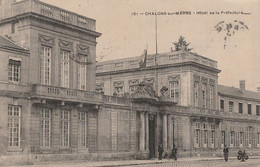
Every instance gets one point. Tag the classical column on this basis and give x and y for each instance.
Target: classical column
(142, 131)
(165, 131)
(147, 131)
(170, 132)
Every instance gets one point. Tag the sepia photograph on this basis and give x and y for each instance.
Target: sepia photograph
(145, 83)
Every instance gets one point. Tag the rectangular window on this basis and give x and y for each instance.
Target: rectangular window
(14, 126)
(46, 127)
(132, 88)
(14, 71)
(197, 135)
(82, 129)
(223, 138)
(241, 141)
(232, 138)
(250, 137)
(211, 97)
(82, 72)
(204, 95)
(174, 90)
(231, 106)
(258, 139)
(205, 138)
(45, 65)
(212, 137)
(222, 105)
(196, 94)
(249, 109)
(119, 91)
(64, 68)
(64, 128)
(240, 107)
(257, 110)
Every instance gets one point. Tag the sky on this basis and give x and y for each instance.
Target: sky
(127, 35)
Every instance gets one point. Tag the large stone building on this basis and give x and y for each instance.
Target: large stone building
(207, 115)
(50, 110)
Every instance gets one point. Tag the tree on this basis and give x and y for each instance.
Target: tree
(181, 45)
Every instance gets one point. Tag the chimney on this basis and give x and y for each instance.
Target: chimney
(242, 85)
(258, 89)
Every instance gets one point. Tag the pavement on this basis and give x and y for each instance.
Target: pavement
(130, 162)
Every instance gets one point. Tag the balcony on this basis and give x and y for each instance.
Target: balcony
(41, 8)
(65, 94)
(116, 100)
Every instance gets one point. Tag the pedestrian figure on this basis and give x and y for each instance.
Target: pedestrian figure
(174, 152)
(160, 150)
(225, 150)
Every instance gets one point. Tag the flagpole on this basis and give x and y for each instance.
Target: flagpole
(156, 52)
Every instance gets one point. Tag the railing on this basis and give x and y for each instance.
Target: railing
(65, 93)
(54, 12)
(18, 88)
(185, 57)
(115, 100)
(163, 59)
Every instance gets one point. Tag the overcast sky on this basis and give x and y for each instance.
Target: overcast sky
(126, 35)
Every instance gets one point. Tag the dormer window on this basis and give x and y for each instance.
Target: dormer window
(14, 70)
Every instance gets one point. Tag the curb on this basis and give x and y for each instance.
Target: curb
(161, 162)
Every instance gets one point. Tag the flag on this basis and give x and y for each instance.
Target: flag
(142, 63)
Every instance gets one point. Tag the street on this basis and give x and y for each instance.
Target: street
(215, 163)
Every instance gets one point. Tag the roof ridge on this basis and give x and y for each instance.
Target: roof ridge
(6, 37)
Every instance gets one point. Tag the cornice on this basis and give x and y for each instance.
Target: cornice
(239, 97)
(53, 21)
(14, 50)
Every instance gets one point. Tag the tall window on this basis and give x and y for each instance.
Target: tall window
(174, 90)
(232, 138)
(196, 94)
(249, 109)
(45, 65)
(119, 91)
(257, 110)
(14, 71)
(231, 106)
(240, 105)
(241, 141)
(46, 127)
(212, 140)
(64, 128)
(197, 135)
(250, 136)
(223, 138)
(222, 105)
(82, 129)
(14, 122)
(132, 88)
(205, 135)
(65, 66)
(83, 73)
(204, 95)
(258, 139)
(211, 97)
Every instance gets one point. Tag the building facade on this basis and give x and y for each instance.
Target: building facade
(214, 115)
(58, 104)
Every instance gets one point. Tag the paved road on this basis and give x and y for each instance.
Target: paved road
(217, 163)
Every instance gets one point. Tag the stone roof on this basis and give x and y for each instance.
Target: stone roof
(235, 92)
(6, 43)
